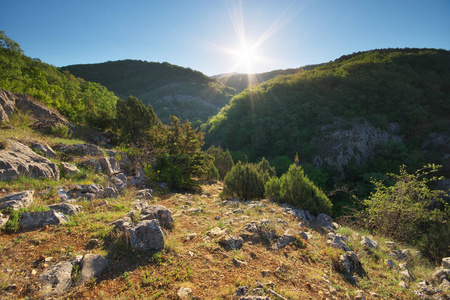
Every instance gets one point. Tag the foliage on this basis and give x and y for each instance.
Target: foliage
(12, 225)
(246, 181)
(81, 101)
(223, 162)
(296, 189)
(409, 210)
(60, 130)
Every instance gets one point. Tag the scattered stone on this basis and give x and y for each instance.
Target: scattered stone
(159, 212)
(400, 254)
(146, 194)
(283, 240)
(254, 298)
(325, 221)
(45, 149)
(238, 263)
(66, 208)
(91, 266)
(301, 215)
(109, 165)
(218, 232)
(306, 235)
(446, 263)
(390, 245)
(241, 291)
(110, 192)
(92, 243)
(439, 275)
(426, 289)
(35, 219)
(56, 279)
(80, 150)
(191, 236)
(278, 296)
(231, 242)
(184, 292)
(369, 243)
(17, 200)
(146, 235)
(19, 160)
(80, 192)
(349, 263)
(68, 170)
(405, 275)
(338, 241)
(360, 295)
(265, 273)
(195, 210)
(390, 263)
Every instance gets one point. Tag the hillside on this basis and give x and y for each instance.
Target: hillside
(211, 248)
(170, 89)
(357, 117)
(81, 101)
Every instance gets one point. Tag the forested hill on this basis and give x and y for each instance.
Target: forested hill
(170, 89)
(363, 113)
(241, 81)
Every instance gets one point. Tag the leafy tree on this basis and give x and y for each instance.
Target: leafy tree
(296, 189)
(408, 210)
(223, 162)
(9, 44)
(134, 120)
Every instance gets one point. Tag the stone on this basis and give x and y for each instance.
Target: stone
(80, 192)
(439, 275)
(390, 245)
(159, 212)
(66, 208)
(92, 164)
(80, 150)
(45, 149)
(241, 291)
(425, 289)
(325, 221)
(146, 235)
(56, 279)
(109, 165)
(140, 204)
(283, 240)
(35, 219)
(349, 263)
(338, 241)
(7, 106)
(238, 263)
(231, 242)
(19, 160)
(445, 285)
(405, 275)
(110, 192)
(218, 232)
(254, 298)
(146, 194)
(369, 243)
(92, 265)
(390, 263)
(446, 263)
(400, 254)
(68, 170)
(305, 235)
(360, 295)
(184, 293)
(17, 200)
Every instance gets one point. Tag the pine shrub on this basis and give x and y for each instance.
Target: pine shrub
(245, 182)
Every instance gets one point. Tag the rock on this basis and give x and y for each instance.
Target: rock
(17, 200)
(390, 263)
(56, 279)
(301, 215)
(283, 240)
(325, 221)
(78, 191)
(45, 149)
(92, 164)
(109, 165)
(369, 243)
(349, 263)
(92, 243)
(405, 275)
(66, 208)
(390, 245)
(140, 204)
(425, 289)
(338, 241)
(7, 106)
(218, 232)
(445, 285)
(400, 254)
(119, 181)
(68, 170)
(159, 212)
(35, 219)
(92, 265)
(110, 192)
(306, 235)
(231, 242)
(439, 275)
(241, 291)
(146, 235)
(360, 295)
(254, 298)
(80, 150)
(19, 160)
(184, 293)
(446, 263)
(238, 263)
(146, 194)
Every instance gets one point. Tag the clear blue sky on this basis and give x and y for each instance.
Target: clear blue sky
(201, 34)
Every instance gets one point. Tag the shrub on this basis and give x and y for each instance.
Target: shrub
(12, 225)
(223, 162)
(245, 182)
(60, 130)
(296, 189)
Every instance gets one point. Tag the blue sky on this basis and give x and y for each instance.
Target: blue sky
(208, 35)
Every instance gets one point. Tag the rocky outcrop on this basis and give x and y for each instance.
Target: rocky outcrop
(369, 243)
(35, 219)
(146, 235)
(19, 160)
(80, 192)
(17, 200)
(66, 208)
(68, 170)
(338, 241)
(7, 106)
(80, 150)
(344, 141)
(56, 279)
(92, 265)
(349, 263)
(45, 149)
(158, 212)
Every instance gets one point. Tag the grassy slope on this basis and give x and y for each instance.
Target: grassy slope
(199, 264)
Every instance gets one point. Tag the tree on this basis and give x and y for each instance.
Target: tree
(7, 43)
(134, 120)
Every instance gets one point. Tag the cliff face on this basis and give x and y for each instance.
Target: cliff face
(344, 141)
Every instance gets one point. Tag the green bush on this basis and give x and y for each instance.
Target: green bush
(245, 182)
(296, 189)
(223, 162)
(60, 130)
(12, 225)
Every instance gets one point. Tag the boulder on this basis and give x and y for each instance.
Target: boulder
(159, 212)
(283, 240)
(68, 170)
(230, 242)
(338, 241)
(446, 263)
(80, 150)
(79, 191)
(35, 219)
(17, 200)
(400, 254)
(325, 221)
(56, 279)
(369, 243)
(425, 289)
(92, 164)
(146, 194)
(45, 149)
(7, 106)
(110, 192)
(92, 265)
(349, 263)
(146, 235)
(439, 275)
(66, 208)
(405, 275)
(19, 160)
(184, 293)
(109, 165)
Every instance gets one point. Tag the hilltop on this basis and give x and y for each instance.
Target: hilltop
(170, 89)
